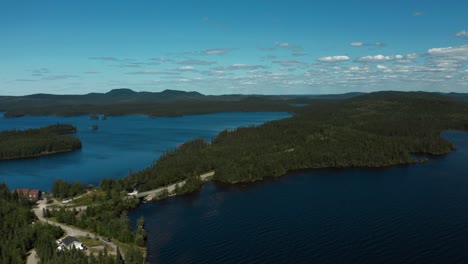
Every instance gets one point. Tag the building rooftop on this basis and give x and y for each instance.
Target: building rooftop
(67, 241)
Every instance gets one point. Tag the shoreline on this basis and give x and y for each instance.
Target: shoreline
(42, 154)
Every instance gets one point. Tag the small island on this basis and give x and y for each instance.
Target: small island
(29, 143)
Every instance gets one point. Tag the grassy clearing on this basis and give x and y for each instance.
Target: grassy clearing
(89, 199)
(91, 242)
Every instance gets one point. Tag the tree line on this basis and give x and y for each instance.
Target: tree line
(17, 144)
(373, 130)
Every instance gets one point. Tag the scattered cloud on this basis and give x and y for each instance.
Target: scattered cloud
(419, 13)
(215, 51)
(184, 69)
(40, 72)
(462, 34)
(104, 58)
(459, 53)
(136, 64)
(268, 49)
(290, 46)
(288, 63)
(92, 72)
(239, 66)
(25, 80)
(196, 62)
(376, 58)
(155, 72)
(299, 54)
(59, 77)
(363, 44)
(214, 73)
(161, 59)
(357, 44)
(334, 59)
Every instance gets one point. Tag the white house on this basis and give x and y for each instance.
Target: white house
(70, 242)
(135, 192)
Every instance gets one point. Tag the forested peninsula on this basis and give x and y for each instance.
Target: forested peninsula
(19, 144)
(372, 130)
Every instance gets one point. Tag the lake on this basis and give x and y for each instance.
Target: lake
(120, 144)
(406, 214)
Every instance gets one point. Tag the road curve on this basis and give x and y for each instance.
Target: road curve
(69, 230)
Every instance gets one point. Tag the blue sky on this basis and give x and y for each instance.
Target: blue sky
(225, 47)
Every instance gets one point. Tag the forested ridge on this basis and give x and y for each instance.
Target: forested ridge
(165, 103)
(17, 144)
(373, 130)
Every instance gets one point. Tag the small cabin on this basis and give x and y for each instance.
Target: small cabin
(31, 194)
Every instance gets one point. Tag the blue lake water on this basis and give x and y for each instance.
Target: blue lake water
(120, 144)
(406, 214)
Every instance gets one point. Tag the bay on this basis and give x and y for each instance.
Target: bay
(120, 145)
(406, 214)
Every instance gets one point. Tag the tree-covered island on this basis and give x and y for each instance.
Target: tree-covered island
(19, 144)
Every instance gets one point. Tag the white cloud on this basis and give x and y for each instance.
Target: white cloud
(459, 53)
(362, 44)
(376, 58)
(334, 59)
(289, 62)
(282, 44)
(418, 13)
(357, 44)
(161, 59)
(239, 66)
(412, 56)
(290, 46)
(155, 72)
(25, 80)
(185, 68)
(215, 51)
(196, 62)
(59, 77)
(462, 34)
(104, 58)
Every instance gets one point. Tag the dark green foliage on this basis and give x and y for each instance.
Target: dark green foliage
(134, 256)
(16, 232)
(105, 217)
(19, 233)
(61, 189)
(73, 256)
(140, 234)
(16, 144)
(372, 130)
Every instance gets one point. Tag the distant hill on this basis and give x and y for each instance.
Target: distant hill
(166, 103)
(462, 96)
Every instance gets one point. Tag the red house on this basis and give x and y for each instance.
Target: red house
(29, 193)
